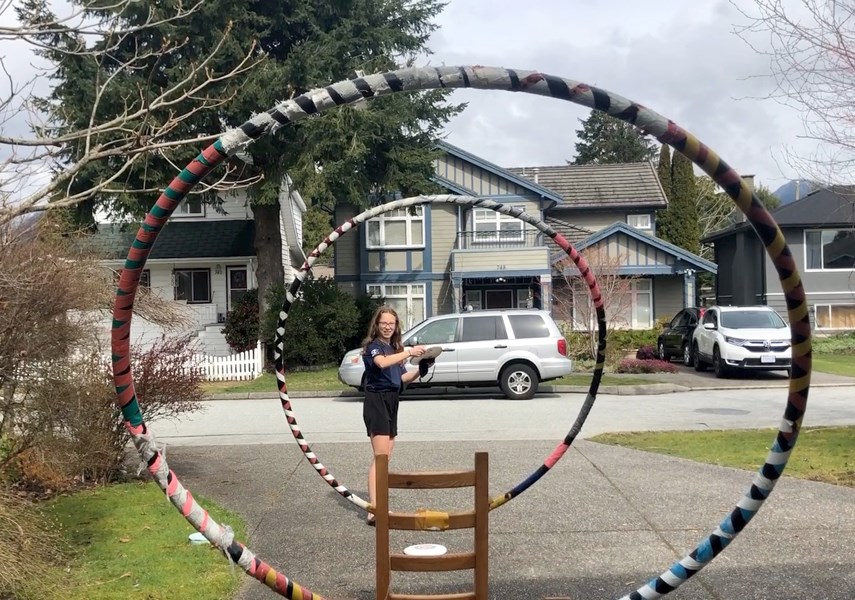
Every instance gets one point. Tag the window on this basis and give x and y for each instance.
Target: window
(443, 331)
(751, 319)
(192, 285)
(830, 249)
(399, 228)
(835, 316)
(407, 300)
(642, 303)
(473, 299)
(639, 221)
(145, 278)
(492, 226)
(476, 329)
(528, 326)
(191, 207)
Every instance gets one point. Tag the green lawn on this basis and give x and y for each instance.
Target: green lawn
(298, 381)
(836, 364)
(128, 541)
(326, 380)
(821, 454)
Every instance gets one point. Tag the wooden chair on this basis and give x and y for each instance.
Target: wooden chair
(477, 519)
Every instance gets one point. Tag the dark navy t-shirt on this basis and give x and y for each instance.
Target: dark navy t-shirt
(377, 379)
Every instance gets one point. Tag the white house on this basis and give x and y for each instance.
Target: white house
(204, 261)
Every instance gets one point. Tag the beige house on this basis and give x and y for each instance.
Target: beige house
(443, 259)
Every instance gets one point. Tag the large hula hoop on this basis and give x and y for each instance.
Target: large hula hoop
(491, 78)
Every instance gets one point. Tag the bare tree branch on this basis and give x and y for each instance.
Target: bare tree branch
(36, 173)
(812, 58)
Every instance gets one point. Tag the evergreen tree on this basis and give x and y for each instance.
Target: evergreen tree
(604, 140)
(678, 224)
(663, 169)
(385, 145)
(769, 200)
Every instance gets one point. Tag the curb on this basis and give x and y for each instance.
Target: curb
(610, 390)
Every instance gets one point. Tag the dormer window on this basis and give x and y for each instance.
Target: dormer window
(640, 221)
(191, 207)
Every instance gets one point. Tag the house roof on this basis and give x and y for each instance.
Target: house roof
(828, 207)
(523, 182)
(634, 185)
(181, 239)
(658, 243)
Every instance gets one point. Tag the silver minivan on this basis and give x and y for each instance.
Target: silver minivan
(515, 349)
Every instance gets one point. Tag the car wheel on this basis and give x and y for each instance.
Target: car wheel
(699, 364)
(518, 382)
(687, 355)
(718, 364)
(662, 354)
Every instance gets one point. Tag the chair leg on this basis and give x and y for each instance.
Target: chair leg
(381, 522)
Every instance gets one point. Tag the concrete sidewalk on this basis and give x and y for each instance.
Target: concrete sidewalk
(601, 523)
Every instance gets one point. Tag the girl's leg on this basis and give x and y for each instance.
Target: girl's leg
(380, 444)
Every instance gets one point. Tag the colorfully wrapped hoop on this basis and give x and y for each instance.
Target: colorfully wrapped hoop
(492, 78)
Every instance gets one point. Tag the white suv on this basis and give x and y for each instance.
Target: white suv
(515, 349)
(741, 337)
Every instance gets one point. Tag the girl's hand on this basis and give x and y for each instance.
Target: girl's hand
(416, 350)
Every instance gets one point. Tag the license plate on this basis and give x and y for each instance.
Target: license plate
(767, 359)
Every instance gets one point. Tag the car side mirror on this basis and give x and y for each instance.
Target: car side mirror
(709, 325)
(413, 341)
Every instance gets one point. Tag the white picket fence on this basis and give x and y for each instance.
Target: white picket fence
(235, 367)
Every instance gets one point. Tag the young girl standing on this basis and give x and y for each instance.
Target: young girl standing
(385, 375)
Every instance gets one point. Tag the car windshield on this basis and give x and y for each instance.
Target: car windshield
(751, 319)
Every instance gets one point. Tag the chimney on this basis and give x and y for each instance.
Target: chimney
(536, 171)
(749, 181)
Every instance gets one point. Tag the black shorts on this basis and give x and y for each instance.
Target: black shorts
(380, 413)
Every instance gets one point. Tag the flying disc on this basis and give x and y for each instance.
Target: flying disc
(431, 352)
(198, 538)
(425, 550)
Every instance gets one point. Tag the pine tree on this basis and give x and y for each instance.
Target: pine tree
(678, 224)
(300, 44)
(663, 169)
(604, 140)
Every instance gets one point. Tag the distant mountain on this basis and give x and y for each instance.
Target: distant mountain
(795, 189)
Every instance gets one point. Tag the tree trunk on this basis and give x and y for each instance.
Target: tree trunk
(268, 251)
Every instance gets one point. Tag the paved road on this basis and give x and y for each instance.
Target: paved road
(546, 417)
(601, 523)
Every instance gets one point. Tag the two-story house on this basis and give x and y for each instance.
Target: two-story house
(820, 231)
(441, 259)
(203, 262)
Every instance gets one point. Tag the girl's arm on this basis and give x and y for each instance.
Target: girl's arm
(386, 361)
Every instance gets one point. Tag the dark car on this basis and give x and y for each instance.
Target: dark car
(676, 338)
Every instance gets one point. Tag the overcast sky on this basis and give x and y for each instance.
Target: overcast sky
(682, 62)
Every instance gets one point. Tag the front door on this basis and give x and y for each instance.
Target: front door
(236, 284)
(499, 299)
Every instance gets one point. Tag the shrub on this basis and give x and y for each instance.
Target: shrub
(241, 328)
(841, 343)
(634, 365)
(80, 435)
(27, 545)
(646, 352)
(320, 323)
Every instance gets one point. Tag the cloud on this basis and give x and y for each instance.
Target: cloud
(685, 64)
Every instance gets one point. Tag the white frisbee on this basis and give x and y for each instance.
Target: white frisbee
(425, 550)
(198, 538)
(431, 352)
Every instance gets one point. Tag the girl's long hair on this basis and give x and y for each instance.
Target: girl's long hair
(374, 329)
